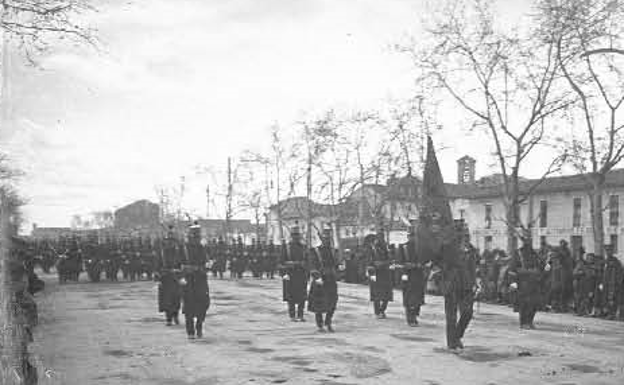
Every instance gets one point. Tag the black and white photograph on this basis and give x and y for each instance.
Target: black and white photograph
(311, 192)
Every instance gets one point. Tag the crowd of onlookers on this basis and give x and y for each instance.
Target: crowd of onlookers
(586, 284)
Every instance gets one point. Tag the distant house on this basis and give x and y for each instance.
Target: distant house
(141, 217)
(392, 206)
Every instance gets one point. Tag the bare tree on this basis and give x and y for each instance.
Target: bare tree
(588, 40)
(504, 80)
(34, 23)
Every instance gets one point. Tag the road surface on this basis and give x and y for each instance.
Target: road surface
(112, 334)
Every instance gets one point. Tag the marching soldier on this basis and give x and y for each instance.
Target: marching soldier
(458, 283)
(294, 275)
(413, 279)
(169, 291)
(196, 293)
(526, 275)
(324, 286)
(380, 274)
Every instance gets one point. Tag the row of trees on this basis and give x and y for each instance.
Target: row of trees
(552, 80)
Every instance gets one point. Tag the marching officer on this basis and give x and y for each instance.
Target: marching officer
(380, 274)
(458, 277)
(413, 279)
(294, 275)
(196, 293)
(324, 286)
(169, 291)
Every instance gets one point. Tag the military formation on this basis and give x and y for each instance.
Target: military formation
(546, 279)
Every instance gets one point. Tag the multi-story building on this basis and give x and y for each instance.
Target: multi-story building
(558, 208)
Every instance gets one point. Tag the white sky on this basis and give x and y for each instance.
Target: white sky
(187, 82)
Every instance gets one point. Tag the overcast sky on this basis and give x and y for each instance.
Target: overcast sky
(187, 82)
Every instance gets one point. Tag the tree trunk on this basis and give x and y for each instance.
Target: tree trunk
(511, 221)
(278, 190)
(595, 198)
(10, 338)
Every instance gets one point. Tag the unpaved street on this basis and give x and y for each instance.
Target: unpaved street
(112, 334)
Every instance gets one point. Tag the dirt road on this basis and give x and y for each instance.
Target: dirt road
(112, 334)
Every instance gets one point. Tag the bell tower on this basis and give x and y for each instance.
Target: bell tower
(466, 170)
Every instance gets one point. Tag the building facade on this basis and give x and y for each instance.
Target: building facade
(558, 209)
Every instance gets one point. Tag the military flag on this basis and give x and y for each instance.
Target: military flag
(435, 229)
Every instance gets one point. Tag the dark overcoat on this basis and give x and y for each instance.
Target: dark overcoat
(414, 285)
(324, 293)
(294, 273)
(379, 267)
(196, 293)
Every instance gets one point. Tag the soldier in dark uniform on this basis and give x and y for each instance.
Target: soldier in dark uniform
(324, 285)
(413, 279)
(93, 264)
(168, 267)
(74, 261)
(220, 259)
(196, 293)
(458, 282)
(147, 259)
(611, 284)
(294, 275)
(584, 284)
(271, 260)
(526, 275)
(242, 259)
(380, 274)
(135, 260)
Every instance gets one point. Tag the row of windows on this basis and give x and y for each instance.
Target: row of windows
(577, 205)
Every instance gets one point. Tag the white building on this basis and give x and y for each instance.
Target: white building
(558, 209)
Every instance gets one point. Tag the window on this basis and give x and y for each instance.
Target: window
(462, 214)
(576, 212)
(543, 241)
(488, 216)
(614, 242)
(488, 242)
(543, 214)
(614, 210)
